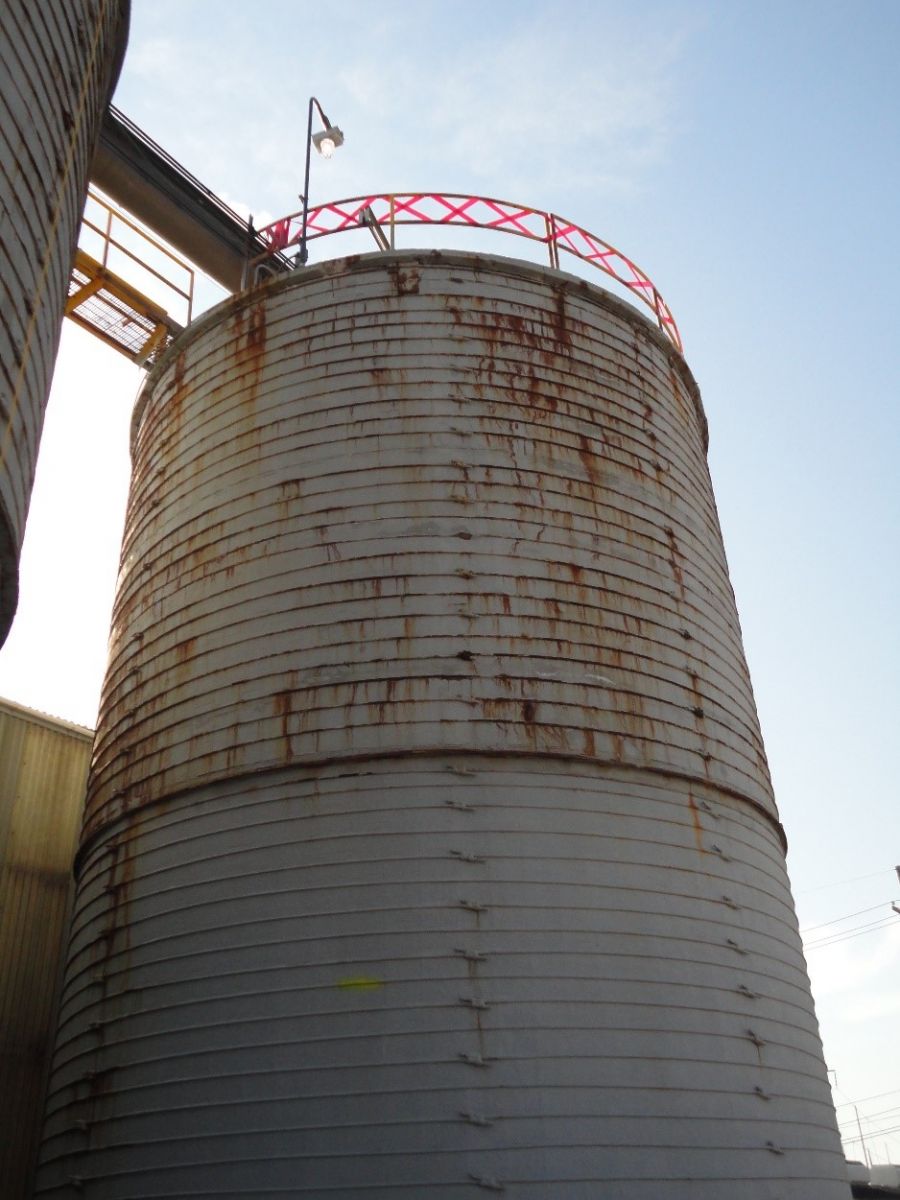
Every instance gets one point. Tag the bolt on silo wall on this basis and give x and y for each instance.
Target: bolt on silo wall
(430, 847)
(58, 64)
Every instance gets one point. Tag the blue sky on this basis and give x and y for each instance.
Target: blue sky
(747, 155)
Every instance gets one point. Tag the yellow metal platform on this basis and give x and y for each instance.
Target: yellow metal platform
(115, 310)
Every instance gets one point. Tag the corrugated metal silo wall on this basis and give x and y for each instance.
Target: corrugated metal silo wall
(430, 846)
(58, 63)
(43, 770)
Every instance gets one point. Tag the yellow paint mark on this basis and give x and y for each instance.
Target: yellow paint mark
(360, 983)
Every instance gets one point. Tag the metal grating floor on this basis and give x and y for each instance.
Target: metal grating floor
(111, 316)
(117, 313)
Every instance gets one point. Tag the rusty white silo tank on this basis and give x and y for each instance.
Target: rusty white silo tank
(430, 846)
(58, 65)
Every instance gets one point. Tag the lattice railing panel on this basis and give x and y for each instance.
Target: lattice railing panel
(476, 212)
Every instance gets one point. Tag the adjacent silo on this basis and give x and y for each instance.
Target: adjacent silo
(430, 847)
(58, 64)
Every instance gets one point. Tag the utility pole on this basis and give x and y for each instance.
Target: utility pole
(861, 1138)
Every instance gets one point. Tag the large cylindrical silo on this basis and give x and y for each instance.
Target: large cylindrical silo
(430, 846)
(58, 64)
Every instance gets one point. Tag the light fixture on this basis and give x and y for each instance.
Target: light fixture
(325, 143)
(328, 140)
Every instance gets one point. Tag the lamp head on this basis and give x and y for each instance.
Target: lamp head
(328, 140)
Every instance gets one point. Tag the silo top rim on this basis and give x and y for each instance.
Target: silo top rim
(383, 261)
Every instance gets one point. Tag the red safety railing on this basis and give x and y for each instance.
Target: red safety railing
(477, 212)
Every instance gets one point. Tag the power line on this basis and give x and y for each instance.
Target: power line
(854, 879)
(872, 1116)
(837, 920)
(839, 933)
(863, 1099)
(872, 1133)
(832, 940)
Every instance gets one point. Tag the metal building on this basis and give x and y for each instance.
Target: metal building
(430, 847)
(43, 770)
(58, 64)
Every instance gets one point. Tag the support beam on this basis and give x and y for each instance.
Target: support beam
(83, 293)
(140, 176)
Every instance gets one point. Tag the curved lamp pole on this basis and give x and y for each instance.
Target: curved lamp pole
(326, 143)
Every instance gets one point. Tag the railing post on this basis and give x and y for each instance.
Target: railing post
(106, 240)
(245, 270)
(551, 240)
(391, 198)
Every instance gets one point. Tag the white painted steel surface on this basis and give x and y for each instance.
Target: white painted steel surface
(58, 62)
(430, 845)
